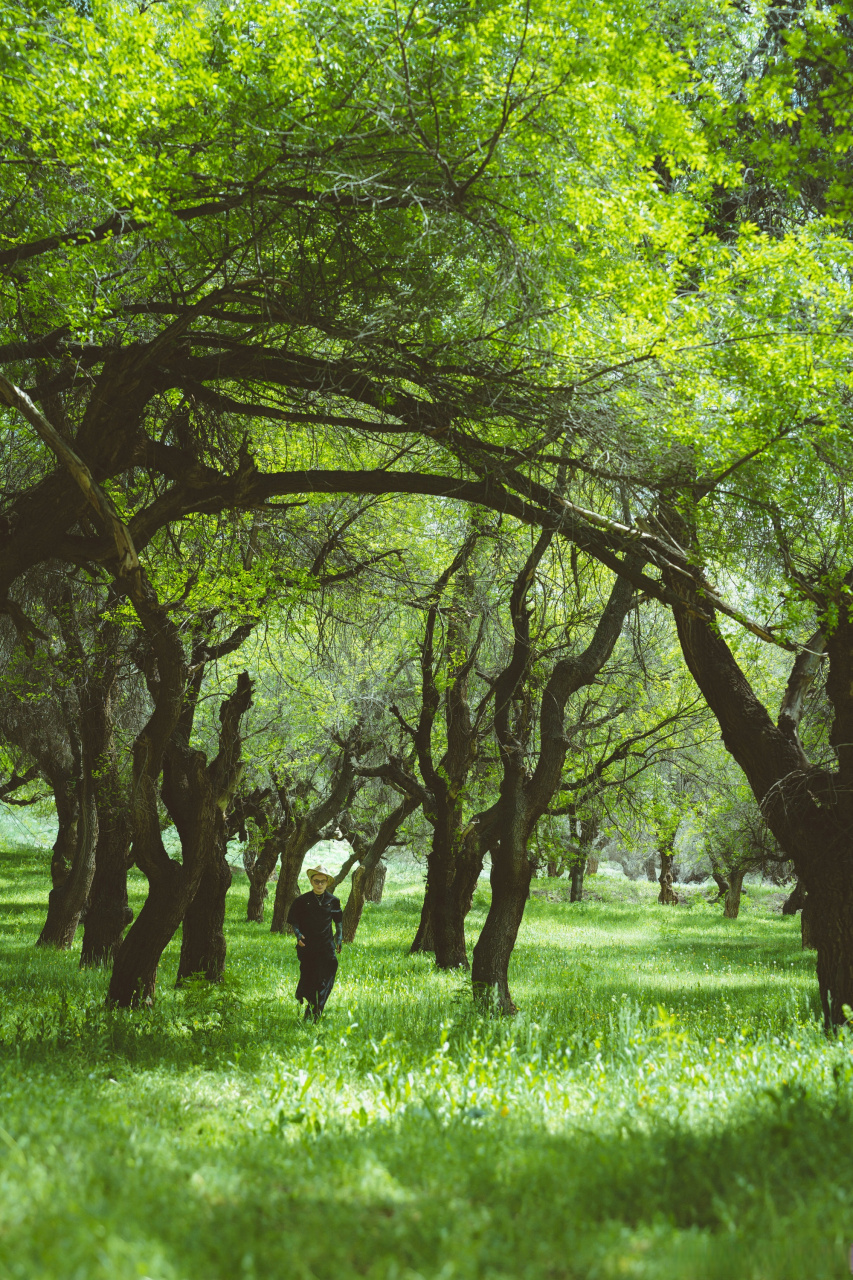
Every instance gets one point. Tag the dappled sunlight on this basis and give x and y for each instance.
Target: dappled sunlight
(665, 1105)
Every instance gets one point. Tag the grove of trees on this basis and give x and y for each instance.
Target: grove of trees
(429, 425)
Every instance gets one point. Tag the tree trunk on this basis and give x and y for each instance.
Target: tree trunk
(375, 883)
(134, 975)
(355, 905)
(651, 869)
(512, 871)
(287, 888)
(722, 885)
(203, 943)
(592, 864)
(68, 897)
(807, 927)
(259, 872)
(732, 906)
(551, 870)
(195, 794)
(808, 809)
(363, 878)
(454, 866)
(423, 940)
(667, 894)
(108, 913)
(795, 900)
(577, 873)
(447, 914)
(67, 802)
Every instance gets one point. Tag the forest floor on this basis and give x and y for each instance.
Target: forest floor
(665, 1105)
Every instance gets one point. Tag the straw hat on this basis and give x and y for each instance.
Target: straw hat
(320, 870)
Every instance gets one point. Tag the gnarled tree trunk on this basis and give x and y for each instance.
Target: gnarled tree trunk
(195, 793)
(732, 906)
(287, 886)
(667, 894)
(808, 809)
(67, 899)
(525, 796)
(203, 944)
(371, 864)
(512, 871)
(374, 884)
(259, 874)
(108, 913)
(456, 860)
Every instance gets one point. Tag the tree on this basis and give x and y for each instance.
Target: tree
(527, 786)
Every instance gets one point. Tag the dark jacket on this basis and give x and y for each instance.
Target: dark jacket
(318, 920)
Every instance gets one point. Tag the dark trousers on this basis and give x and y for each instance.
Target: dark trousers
(317, 970)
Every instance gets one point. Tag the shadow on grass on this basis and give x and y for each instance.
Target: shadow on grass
(762, 1194)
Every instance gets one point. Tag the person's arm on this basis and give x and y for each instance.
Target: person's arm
(338, 917)
(292, 916)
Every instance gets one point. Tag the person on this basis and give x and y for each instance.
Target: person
(317, 921)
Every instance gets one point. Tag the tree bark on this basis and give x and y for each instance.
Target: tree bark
(512, 871)
(88, 739)
(807, 927)
(287, 886)
(195, 794)
(108, 913)
(70, 892)
(374, 884)
(134, 975)
(423, 940)
(354, 905)
(372, 863)
(524, 797)
(455, 863)
(455, 857)
(808, 809)
(719, 879)
(577, 874)
(667, 894)
(203, 944)
(67, 804)
(732, 907)
(260, 872)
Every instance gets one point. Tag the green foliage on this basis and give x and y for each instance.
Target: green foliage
(664, 1107)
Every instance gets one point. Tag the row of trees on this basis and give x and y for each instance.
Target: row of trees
(577, 282)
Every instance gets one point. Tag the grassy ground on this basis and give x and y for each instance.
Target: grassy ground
(663, 1107)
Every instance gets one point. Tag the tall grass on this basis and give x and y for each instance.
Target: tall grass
(664, 1106)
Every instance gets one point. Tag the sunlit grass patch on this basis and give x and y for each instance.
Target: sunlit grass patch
(664, 1106)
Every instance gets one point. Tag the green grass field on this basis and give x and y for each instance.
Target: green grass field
(664, 1106)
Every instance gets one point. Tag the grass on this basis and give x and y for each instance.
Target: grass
(664, 1106)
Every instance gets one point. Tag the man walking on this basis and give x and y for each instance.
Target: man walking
(317, 921)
